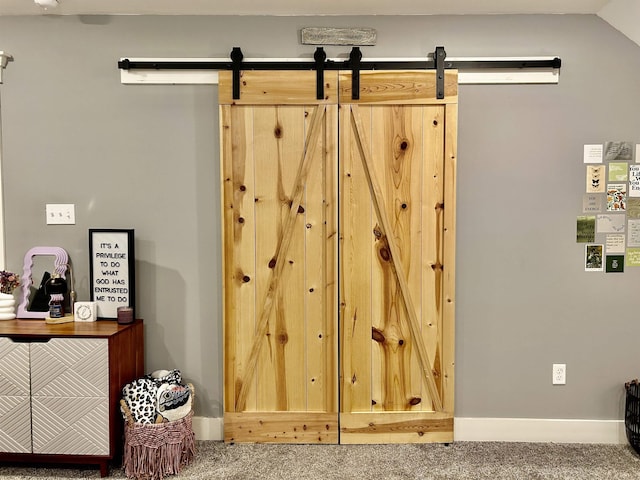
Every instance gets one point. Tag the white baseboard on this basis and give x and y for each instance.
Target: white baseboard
(492, 430)
(538, 430)
(208, 428)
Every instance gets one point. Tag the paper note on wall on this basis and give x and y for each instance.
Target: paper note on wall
(633, 257)
(610, 223)
(616, 197)
(595, 178)
(633, 234)
(634, 180)
(618, 171)
(615, 243)
(593, 153)
(592, 203)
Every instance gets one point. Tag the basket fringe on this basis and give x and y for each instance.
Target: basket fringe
(152, 451)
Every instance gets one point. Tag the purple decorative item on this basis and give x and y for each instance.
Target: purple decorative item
(125, 315)
(60, 267)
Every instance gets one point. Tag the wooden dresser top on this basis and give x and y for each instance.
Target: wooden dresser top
(30, 328)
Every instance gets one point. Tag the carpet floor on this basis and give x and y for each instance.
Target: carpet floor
(460, 460)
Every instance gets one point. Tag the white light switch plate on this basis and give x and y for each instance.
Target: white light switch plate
(61, 214)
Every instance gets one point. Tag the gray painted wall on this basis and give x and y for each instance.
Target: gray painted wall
(146, 157)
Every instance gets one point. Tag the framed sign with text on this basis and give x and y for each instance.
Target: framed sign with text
(112, 270)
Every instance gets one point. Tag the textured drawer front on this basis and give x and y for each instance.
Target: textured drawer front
(14, 368)
(70, 395)
(72, 426)
(15, 403)
(70, 367)
(15, 424)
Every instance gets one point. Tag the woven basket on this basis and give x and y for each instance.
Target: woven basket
(152, 451)
(632, 414)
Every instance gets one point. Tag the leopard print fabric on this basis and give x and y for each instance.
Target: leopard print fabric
(144, 396)
(140, 397)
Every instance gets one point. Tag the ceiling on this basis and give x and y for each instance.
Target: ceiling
(301, 7)
(624, 15)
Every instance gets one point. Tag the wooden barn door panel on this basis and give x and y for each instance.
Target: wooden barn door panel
(279, 172)
(283, 312)
(397, 218)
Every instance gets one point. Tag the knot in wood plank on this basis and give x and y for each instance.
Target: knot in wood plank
(377, 335)
(385, 254)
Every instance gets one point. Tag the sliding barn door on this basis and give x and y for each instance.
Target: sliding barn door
(279, 186)
(397, 230)
(339, 221)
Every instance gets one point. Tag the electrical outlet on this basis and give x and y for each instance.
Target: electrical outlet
(61, 214)
(559, 374)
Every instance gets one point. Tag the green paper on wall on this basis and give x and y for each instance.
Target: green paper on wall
(633, 257)
(618, 171)
(586, 229)
(615, 264)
